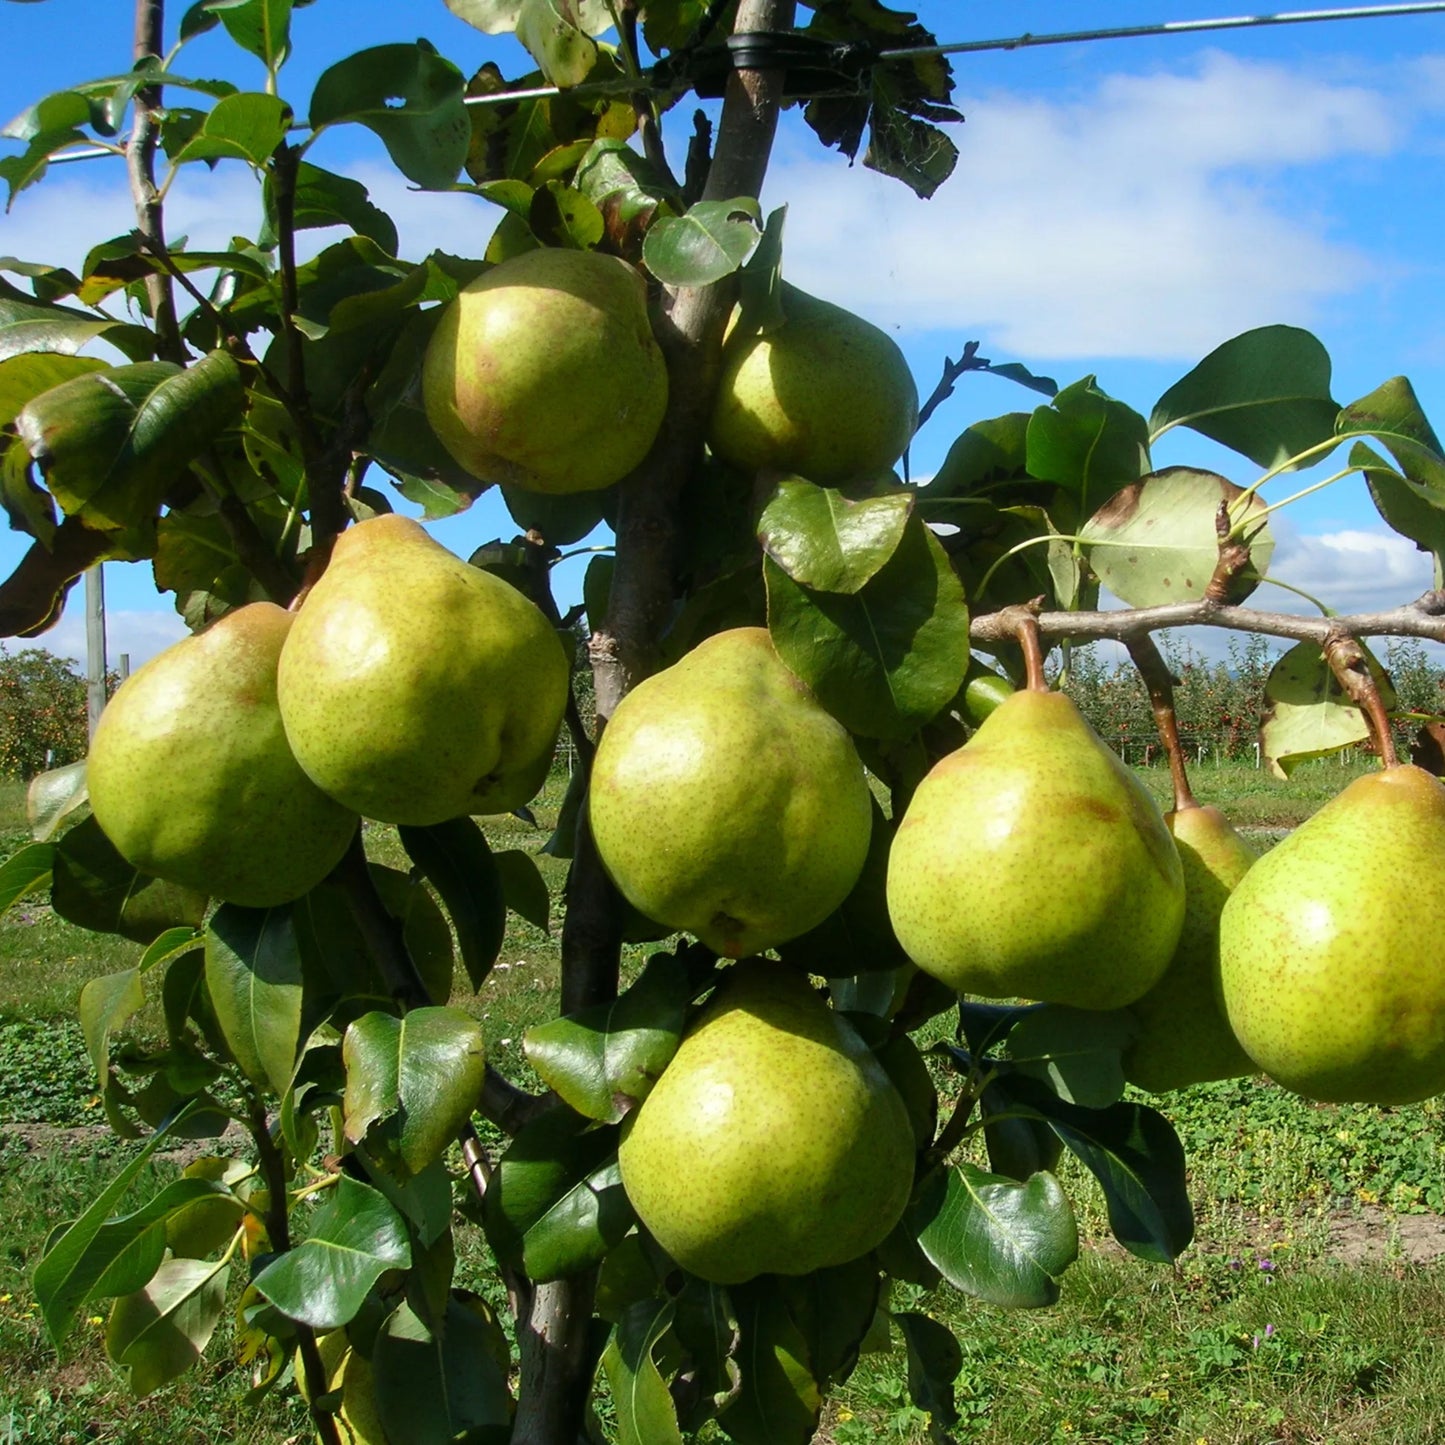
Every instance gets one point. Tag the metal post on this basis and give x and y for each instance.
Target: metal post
(94, 646)
(124, 668)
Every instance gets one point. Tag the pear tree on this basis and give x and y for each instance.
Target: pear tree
(908, 929)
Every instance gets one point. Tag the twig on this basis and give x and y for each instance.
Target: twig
(1159, 682)
(1349, 664)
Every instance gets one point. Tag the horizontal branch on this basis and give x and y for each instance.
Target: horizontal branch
(1424, 617)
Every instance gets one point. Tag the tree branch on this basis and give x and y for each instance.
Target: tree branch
(1424, 618)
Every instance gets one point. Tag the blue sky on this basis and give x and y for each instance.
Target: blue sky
(1119, 208)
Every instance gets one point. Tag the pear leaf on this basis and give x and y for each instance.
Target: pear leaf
(434, 1385)
(604, 1060)
(1075, 1051)
(160, 1331)
(779, 1401)
(1138, 1160)
(1264, 394)
(1156, 540)
(111, 443)
(646, 1414)
(262, 27)
(833, 1309)
(355, 1238)
(1307, 713)
(826, 542)
(53, 796)
(426, 1068)
(254, 979)
(710, 240)
(1087, 443)
(455, 858)
(1414, 511)
(107, 1004)
(1000, 1239)
(30, 325)
(246, 127)
(988, 451)
(524, 888)
(556, 1204)
(95, 888)
(887, 658)
(428, 134)
(935, 1361)
(323, 198)
(24, 872)
(24, 377)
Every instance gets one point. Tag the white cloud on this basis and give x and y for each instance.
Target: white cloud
(1356, 570)
(140, 634)
(1149, 217)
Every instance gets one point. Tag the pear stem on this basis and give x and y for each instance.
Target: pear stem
(1024, 624)
(1351, 666)
(1159, 682)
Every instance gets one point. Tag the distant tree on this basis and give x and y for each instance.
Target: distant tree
(42, 712)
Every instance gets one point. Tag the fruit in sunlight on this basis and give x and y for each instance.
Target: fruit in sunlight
(192, 779)
(1183, 1036)
(726, 801)
(774, 1141)
(1331, 958)
(827, 395)
(1031, 863)
(417, 688)
(544, 373)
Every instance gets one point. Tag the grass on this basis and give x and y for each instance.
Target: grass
(1258, 1335)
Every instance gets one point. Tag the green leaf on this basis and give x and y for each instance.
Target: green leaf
(1264, 394)
(1075, 1052)
(710, 240)
(24, 872)
(779, 1401)
(887, 658)
(1004, 1241)
(95, 888)
(159, 1332)
(1138, 1160)
(427, 135)
(30, 325)
(1156, 540)
(112, 444)
(935, 1361)
(323, 198)
(1307, 712)
(355, 1238)
(833, 1309)
(524, 887)
(988, 452)
(254, 977)
(604, 1060)
(106, 1004)
(260, 26)
(169, 945)
(426, 1068)
(28, 375)
(245, 127)
(645, 1412)
(1413, 510)
(433, 1386)
(455, 858)
(626, 188)
(556, 1203)
(72, 1262)
(1087, 443)
(826, 542)
(52, 797)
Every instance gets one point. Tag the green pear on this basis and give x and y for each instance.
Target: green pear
(1331, 959)
(1031, 863)
(725, 801)
(1183, 1035)
(774, 1142)
(544, 374)
(826, 395)
(191, 777)
(416, 688)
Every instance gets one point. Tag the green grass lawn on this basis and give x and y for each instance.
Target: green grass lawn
(1267, 1330)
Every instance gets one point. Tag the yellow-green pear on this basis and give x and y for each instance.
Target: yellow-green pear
(725, 801)
(192, 779)
(1183, 1035)
(774, 1142)
(544, 373)
(1031, 863)
(1332, 947)
(416, 688)
(826, 395)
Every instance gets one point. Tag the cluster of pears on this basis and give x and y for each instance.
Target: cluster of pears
(544, 374)
(409, 687)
